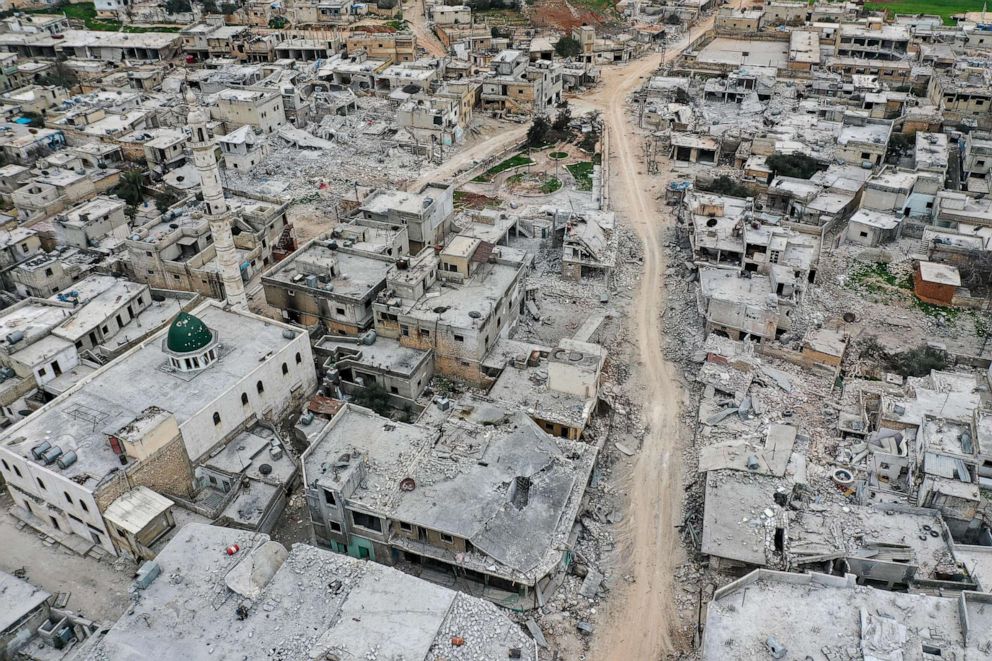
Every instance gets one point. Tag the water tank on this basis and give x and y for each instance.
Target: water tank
(288, 334)
(306, 418)
(51, 454)
(39, 450)
(368, 338)
(15, 337)
(312, 281)
(67, 459)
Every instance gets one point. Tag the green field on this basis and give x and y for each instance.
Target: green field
(582, 172)
(512, 162)
(943, 8)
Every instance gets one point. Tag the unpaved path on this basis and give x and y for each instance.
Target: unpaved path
(640, 616)
(415, 16)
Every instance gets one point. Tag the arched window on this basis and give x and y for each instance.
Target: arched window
(299, 358)
(216, 418)
(285, 369)
(259, 387)
(244, 399)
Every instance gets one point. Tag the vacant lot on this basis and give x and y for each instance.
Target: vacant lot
(98, 590)
(943, 8)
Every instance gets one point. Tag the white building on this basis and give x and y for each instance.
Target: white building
(148, 414)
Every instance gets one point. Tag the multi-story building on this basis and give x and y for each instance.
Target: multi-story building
(498, 518)
(188, 389)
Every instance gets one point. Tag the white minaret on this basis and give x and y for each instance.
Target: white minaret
(217, 213)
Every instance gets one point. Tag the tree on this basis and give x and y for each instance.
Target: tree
(568, 47)
(539, 132)
(210, 7)
(373, 397)
(673, 19)
(131, 188)
(177, 6)
(165, 200)
(562, 120)
(228, 8)
(724, 185)
(799, 166)
(277, 22)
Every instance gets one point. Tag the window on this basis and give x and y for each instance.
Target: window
(424, 332)
(865, 155)
(447, 539)
(84, 506)
(216, 418)
(244, 399)
(285, 369)
(41, 372)
(17, 471)
(367, 521)
(299, 358)
(459, 338)
(40, 483)
(335, 526)
(329, 497)
(260, 387)
(339, 311)
(406, 526)
(405, 331)
(68, 498)
(6, 466)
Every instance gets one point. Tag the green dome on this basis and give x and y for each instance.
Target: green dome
(187, 334)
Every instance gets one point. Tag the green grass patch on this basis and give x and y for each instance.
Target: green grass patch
(598, 6)
(550, 185)
(558, 155)
(582, 172)
(943, 8)
(512, 162)
(934, 311)
(877, 277)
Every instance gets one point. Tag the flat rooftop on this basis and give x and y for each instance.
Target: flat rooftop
(462, 477)
(306, 603)
(353, 275)
(879, 624)
(384, 353)
(81, 419)
(723, 50)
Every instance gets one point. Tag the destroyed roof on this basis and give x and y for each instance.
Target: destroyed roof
(18, 598)
(304, 604)
(463, 479)
(774, 608)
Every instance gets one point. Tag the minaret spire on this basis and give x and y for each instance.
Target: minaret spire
(217, 212)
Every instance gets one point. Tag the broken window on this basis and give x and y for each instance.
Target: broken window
(366, 521)
(447, 539)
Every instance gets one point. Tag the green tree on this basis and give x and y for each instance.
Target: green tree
(277, 22)
(568, 47)
(724, 185)
(228, 8)
(131, 188)
(210, 7)
(539, 132)
(799, 166)
(177, 6)
(562, 120)
(165, 200)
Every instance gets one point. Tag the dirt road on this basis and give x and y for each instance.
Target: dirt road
(414, 15)
(639, 618)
